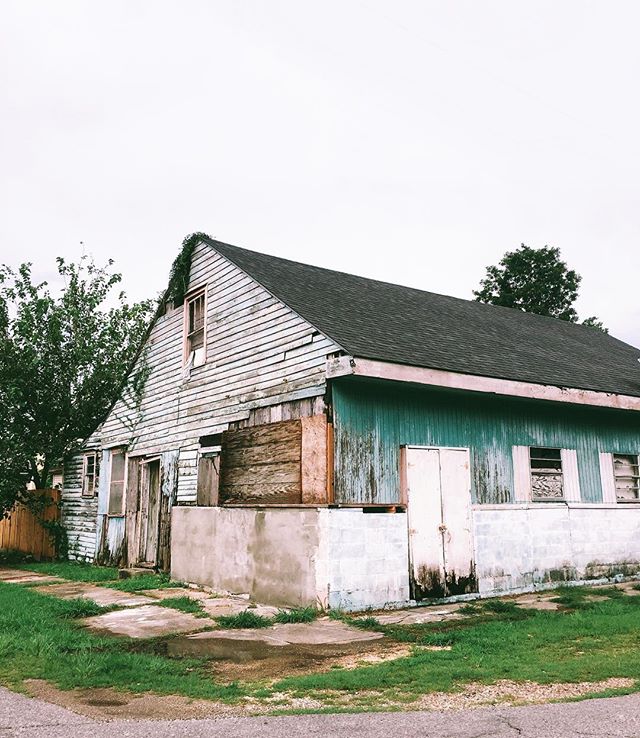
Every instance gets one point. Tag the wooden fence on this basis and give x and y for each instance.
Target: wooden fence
(22, 530)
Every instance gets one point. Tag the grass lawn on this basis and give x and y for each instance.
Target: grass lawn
(593, 641)
(77, 572)
(106, 576)
(40, 640)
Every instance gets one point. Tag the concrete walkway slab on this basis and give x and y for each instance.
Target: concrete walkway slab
(147, 621)
(419, 615)
(104, 596)
(323, 631)
(168, 593)
(221, 606)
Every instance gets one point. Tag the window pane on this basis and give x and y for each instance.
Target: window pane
(625, 468)
(196, 340)
(546, 473)
(116, 486)
(196, 314)
(115, 498)
(117, 466)
(548, 486)
(545, 453)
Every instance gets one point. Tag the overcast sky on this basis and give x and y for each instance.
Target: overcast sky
(414, 142)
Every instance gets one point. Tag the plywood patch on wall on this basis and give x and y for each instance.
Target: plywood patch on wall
(282, 463)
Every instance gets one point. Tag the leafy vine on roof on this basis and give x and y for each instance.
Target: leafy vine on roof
(181, 268)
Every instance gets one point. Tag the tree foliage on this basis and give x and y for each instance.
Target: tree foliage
(535, 281)
(64, 359)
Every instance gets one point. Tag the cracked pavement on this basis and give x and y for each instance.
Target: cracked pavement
(615, 717)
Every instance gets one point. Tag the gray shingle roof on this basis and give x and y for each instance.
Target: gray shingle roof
(387, 322)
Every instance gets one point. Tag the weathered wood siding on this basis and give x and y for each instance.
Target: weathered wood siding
(264, 363)
(259, 353)
(79, 514)
(373, 419)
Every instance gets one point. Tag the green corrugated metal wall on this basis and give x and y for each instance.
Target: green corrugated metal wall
(373, 419)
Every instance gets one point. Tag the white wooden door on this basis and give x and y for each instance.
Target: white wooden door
(439, 516)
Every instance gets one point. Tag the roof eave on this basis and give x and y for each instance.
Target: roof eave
(361, 367)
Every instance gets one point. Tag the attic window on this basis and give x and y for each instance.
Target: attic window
(546, 474)
(195, 329)
(627, 477)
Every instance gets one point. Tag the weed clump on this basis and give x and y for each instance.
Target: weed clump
(184, 604)
(245, 619)
(300, 615)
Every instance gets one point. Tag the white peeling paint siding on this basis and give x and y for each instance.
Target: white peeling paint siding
(259, 353)
(78, 513)
(607, 478)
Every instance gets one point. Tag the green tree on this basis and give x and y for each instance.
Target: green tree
(535, 281)
(64, 359)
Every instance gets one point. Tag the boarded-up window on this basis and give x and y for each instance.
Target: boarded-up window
(116, 481)
(262, 464)
(90, 475)
(283, 463)
(208, 479)
(627, 477)
(546, 474)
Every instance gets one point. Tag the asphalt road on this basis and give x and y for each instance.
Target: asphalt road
(605, 718)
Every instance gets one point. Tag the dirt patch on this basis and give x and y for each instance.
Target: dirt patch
(109, 704)
(265, 662)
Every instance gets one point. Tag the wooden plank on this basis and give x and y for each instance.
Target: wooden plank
(314, 460)
(262, 463)
(208, 481)
(287, 472)
(283, 494)
(286, 431)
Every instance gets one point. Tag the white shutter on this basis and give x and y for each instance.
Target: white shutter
(521, 473)
(607, 478)
(570, 476)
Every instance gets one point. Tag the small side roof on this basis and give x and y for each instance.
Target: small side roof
(387, 322)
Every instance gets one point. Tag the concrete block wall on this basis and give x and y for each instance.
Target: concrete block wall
(343, 559)
(268, 554)
(517, 547)
(368, 565)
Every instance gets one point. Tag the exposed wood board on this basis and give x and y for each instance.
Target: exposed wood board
(268, 477)
(314, 459)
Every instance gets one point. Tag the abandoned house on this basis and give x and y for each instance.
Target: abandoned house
(311, 437)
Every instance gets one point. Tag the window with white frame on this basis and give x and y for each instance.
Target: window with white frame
(545, 465)
(195, 329)
(117, 481)
(627, 477)
(90, 469)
